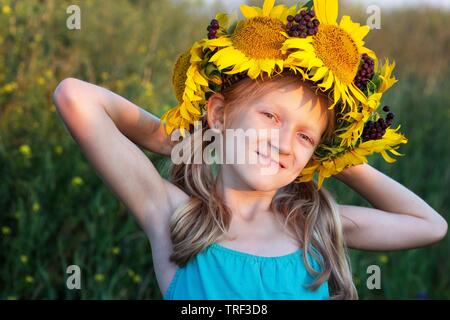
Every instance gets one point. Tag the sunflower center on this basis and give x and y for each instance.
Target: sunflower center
(259, 38)
(336, 48)
(179, 74)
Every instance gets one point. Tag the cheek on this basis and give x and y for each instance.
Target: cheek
(301, 158)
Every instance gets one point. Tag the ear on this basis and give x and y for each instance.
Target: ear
(215, 111)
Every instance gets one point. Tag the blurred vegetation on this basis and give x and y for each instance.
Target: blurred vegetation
(55, 211)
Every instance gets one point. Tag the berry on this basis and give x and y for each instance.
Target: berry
(374, 130)
(304, 23)
(365, 71)
(212, 29)
(386, 109)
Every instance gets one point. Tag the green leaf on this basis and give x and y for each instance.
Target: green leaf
(309, 5)
(232, 27)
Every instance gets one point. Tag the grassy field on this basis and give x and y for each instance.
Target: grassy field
(54, 209)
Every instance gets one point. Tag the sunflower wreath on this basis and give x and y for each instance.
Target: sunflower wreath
(307, 40)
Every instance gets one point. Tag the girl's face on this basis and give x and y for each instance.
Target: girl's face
(297, 117)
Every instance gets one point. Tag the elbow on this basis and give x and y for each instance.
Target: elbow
(439, 229)
(444, 229)
(63, 96)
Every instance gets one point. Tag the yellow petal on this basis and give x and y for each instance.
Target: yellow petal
(198, 78)
(254, 70)
(248, 12)
(319, 74)
(325, 85)
(219, 42)
(279, 63)
(244, 66)
(302, 55)
(227, 57)
(326, 11)
(267, 65)
(357, 31)
(277, 12)
(387, 157)
(184, 112)
(357, 93)
(267, 7)
(191, 108)
(393, 151)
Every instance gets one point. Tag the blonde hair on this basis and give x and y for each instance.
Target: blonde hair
(311, 215)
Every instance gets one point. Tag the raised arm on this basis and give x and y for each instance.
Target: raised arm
(105, 125)
(399, 220)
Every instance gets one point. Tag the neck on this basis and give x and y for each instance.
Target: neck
(248, 205)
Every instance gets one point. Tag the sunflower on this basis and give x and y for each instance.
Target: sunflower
(332, 56)
(255, 44)
(190, 87)
(358, 155)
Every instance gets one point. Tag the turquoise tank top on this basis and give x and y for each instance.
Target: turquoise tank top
(221, 273)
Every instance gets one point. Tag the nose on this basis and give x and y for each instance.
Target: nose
(282, 141)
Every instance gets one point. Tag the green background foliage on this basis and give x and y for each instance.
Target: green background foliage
(55, 210)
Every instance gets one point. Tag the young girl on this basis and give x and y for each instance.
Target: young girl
(235, 233)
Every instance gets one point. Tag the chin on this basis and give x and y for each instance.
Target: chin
(259, 180)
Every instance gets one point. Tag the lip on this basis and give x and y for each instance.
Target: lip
(279, 164)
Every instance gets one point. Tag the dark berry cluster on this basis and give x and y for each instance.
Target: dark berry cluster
(374, 130)
(365, 71)
(212, 29)
(302, 24)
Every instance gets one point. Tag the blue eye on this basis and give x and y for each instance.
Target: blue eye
(269, 115)
(305, 137)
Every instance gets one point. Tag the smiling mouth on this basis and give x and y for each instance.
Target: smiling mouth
(279, 164)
